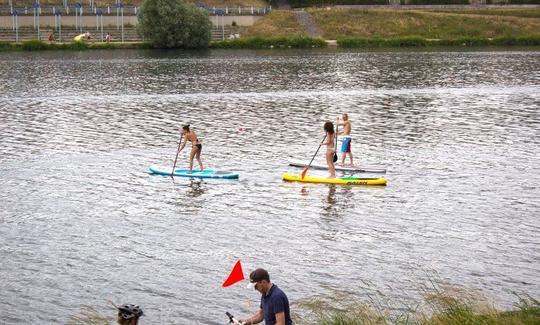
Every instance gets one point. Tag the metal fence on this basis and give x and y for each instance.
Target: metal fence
(129, 10)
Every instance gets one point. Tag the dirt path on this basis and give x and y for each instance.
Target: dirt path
(307, 22)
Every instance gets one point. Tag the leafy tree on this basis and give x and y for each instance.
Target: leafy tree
(174, 23)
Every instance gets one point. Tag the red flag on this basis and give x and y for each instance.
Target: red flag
(236, 275)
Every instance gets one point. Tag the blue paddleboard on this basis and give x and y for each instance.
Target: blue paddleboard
(207, 173)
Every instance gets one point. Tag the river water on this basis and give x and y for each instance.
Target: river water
(82, 222)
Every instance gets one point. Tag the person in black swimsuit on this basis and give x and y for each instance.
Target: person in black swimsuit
(196, 147)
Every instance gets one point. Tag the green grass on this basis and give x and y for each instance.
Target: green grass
(442, 304)
(35, 45)
(364, 42)
(387, 23)
(336, 23)
(528, 13)
(278, 23)
(270, 42)
(449, 306)
(5, 46)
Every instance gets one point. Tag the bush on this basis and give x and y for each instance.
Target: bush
(521, 41)
(434, 2)
(321, 3)
(270, 42)
(34, 45)
(77, 46)
(383, 42)
(513, 2)
(174, 23)
(421, 42)
(4, 46)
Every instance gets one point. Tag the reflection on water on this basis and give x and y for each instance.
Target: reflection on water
(81, 220)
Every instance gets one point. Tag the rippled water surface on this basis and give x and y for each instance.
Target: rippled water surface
(82, 222)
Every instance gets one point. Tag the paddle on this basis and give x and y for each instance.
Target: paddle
(177, 152)
(232, 320)
(307, 167)
(335, 147)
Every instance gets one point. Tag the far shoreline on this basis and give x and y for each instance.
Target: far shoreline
(270, 43)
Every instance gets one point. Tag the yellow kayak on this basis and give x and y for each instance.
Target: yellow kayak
(341, 180)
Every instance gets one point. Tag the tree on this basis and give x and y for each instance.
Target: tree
(174, 23)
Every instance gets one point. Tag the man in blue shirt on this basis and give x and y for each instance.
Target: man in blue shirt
(274, 307)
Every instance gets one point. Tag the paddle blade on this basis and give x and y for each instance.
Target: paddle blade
(335, 157)
(236, 275)
(303, 174)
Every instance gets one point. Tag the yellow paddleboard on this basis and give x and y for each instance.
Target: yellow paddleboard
(341, 180)
(79, 38)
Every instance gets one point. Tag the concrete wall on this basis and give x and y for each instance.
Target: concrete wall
(90, 21)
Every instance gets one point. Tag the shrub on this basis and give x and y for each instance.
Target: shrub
(4, 46)
(321, 3)
(434, 2)
(174, 23)
(34, 45)
(271, 42)
(383, 42)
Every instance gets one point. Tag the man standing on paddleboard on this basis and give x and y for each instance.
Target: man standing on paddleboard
(274, 307)
(196, 147)
(346, 138)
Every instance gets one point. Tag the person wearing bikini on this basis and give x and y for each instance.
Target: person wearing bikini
(196, 147)
(330, 134)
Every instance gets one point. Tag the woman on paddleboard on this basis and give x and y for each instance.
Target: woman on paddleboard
(330, 151)
(196, 146)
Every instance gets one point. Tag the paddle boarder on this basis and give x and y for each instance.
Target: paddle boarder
(196, 147)
(346, 138)
(330, 151)
(274, 307)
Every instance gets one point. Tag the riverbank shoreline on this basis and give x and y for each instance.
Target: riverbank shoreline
(292, 43)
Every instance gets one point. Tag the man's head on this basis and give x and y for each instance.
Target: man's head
(345, 116)
(260, 279)
(129, 314)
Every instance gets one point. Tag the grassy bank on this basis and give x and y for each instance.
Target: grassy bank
(530, 13)
(278, 23)
(396, 27)
(350, 42)
(243, 43)
(449, 305)
(270, 42)
(337, 23)
(448, 312)
(36, 45)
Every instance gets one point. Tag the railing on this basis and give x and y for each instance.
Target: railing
(49, 10)
(238, 11)
(129, 10)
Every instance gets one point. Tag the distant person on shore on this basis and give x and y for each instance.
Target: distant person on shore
(108, 38)
(196, 147)
(274, 307)
(51, 37)
(346, 138)
(129, 314)
(330, 151)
